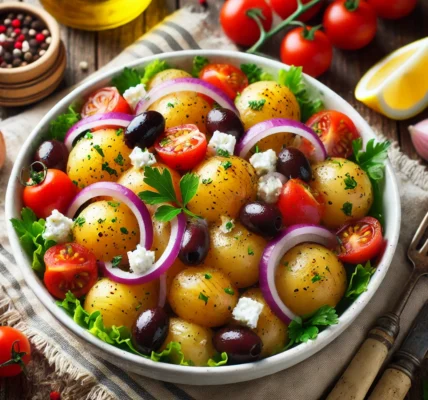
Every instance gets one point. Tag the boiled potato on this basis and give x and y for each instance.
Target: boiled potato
(108, 229)
(272, 331)
(203, 295)
(196, 341)
(237, 253)
(275, 142)
(100, 158)
(279, 102)
(225, 185)
(183, 108)
(119, 303)
(308, 277)
(342, 205)
(167, 75)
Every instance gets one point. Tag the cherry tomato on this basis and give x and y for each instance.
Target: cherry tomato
(182, 147)
(299, 204)
(336, 131)
(228, 78)
(393, 9)
(360, 241)
(284, 8)
(71, 267)
(350, 24)
(307, 48)
(105, 100)
(238, 26)
(15, 351)
(55, 192)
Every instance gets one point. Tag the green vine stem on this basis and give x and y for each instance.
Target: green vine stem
(256, 15)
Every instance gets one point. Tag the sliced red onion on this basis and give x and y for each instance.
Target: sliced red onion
(275, 250)
(162, 290)
(279, 125)
(178, 225)
(185, 85)
(95, 121)
(124, 195)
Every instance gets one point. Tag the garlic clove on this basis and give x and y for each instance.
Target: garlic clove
(419, 136)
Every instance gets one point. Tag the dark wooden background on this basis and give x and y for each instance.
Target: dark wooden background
(98, 48)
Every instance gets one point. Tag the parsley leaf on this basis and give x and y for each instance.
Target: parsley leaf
(166, 213)
(223, 153)
(61, 124)
(250, 251)
(152, 69)
(129, 77)
(208, 275)
(98, 149)
(316, 278)
(79, 221)
(119, 159)
(124, 230)
(203, 297)
(350, 182)
(115, 262)
(207, 181)
(255, 73)
(226, 164)
(229, 291)
(359, 280)
(257, 105)
(188, 186)
(347, 208)
(88, 135)
(108, 169)
(198, 64)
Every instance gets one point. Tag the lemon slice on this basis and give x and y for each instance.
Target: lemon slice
(397, 86)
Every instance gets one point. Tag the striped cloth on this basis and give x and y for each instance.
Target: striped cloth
(60, 362)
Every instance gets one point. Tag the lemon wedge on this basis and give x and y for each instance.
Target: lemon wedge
(397, 86)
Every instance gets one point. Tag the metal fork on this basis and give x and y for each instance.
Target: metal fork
(361, 372)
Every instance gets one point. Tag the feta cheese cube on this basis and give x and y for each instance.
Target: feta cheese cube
(227, 224)
(140, 260)
(248, 311)
(264, 162)
(141, 158)
(58, 227)
(269, 189)
(222, 141)
(134, 94)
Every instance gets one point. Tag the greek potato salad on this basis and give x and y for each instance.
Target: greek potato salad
(207, 217)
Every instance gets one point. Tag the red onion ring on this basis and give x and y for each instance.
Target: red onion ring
(185, 85)
(95, 121)
(273, 253)
(279, 125)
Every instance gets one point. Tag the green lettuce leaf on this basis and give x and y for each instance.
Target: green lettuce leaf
(199, 63)
(359, 281)
(61, 124)
(129, 77)
(152, 69)
(255, 73)
(218, 360)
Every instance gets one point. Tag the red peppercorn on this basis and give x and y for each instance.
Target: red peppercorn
(20, 38)
(40, 37)
(17, 31)
(2, 29)
(18, 45)
(16, 23)
(55, 396)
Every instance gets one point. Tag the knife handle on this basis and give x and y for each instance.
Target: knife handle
(361, 372)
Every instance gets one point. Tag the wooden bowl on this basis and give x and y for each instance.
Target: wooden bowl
(32, 82)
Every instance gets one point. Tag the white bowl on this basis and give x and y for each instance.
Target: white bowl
(202, 375)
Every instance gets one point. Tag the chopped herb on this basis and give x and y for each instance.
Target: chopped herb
(223, 153)
(100, 221)
(203, 297)
(115, 262)
(256, 149)
(229, 291)
(114, 220)
(128, 78)
(152, 69)
(119, 132)
(89, 157)
(229, 225)
(61, 124)
(113, 204)
(170, 105)
(199, 63)
(327, 268)
(124, 230)
(226, 164)
(250, 251)
(208, 276)
(207, 181)
(79, 221)
(165, 141)
(347, 208)
(75, 183)
(99, 150)
(337, 162)
(108, 169)
(88, 135)
(255, 73)
(236, 237)
(119, 159)
(317, 277)
(138, 307)
(350, 182)
(257, 105)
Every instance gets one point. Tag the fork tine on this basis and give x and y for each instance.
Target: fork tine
(419, 233)
(424, 249)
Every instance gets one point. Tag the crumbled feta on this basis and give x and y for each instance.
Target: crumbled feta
(248, 311)
(140, 260)
(58, 227)
(141, 158)
(269, 189)
(226, 224)
(134, 94)
(222, 141)
(264, 162)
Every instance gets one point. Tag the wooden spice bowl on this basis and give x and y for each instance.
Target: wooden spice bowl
(30, 83)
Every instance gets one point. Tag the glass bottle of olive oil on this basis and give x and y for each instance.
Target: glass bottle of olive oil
(95, 15)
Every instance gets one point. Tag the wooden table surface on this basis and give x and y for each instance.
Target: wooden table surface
(98, 48)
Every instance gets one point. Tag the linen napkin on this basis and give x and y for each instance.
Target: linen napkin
(59, 360)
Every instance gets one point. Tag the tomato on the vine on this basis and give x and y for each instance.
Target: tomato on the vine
(336, 131)
(238, 26)
(105, 100)
(393, 9)
(360, 241)
(350, 24)
(15, 351)
(309, 48)
(182, 147)
(226, 77)
(284, 8)
(69, 267)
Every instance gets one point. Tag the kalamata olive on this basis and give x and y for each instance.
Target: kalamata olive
(196, 242)
(53, 154)
(261, 218)
(150, 330)
(144, 129)
(226, 121)
(240, 343)
(293, 164)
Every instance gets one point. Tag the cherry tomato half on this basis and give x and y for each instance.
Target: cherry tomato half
(182, 147)
(13, 343)
(238, 26)
(299, 204)
(393, 9)
(284, 8)
(55, 192)
(307, 48)
(105, 100)
(336, 131)
(228, 78)
(350, 24)
(360, 241)
(71, 267)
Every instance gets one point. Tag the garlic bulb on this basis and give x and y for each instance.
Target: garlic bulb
(419, 135)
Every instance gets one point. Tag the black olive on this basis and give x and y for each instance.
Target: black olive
(261, 218)
(292, 163)
(196, 242)
(53, 154)
(226, 121)
(144, 129)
